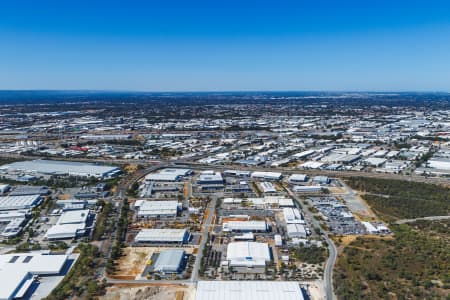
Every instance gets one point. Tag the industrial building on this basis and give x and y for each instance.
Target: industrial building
(162, 236)
(292, 216)
(272, 200)
(321, 179)
(248, 254)
(307, 189)
(278, 240)
(267, 187)
(19, 270)
(245, 226)
(13, 228)
(168, 175)
(19, 202)
(170, 261)
(9, 215)
(210, 177)
(26, 190)
(439, 163)
(179, 172)
(4, 188)
(153, 209)
(296, 231)
(248, 290)
(298, 178)
(163, 177)
(267, 175)
(62, 168)
(237, 173)
(71, 224)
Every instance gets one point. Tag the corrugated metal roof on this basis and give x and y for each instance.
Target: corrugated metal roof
(248, 290)
(169, 260)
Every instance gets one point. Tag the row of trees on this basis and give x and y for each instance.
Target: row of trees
(122, 225)
(103, 221)
(80, 282)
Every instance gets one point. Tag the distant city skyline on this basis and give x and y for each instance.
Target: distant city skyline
(179, 46)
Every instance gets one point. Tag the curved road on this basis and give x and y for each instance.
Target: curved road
(328, 272)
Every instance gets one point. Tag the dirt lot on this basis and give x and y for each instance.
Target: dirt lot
(160, 292)
(317, 290)
(134, 259)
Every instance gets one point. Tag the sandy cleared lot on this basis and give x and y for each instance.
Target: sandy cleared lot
(134, 259)
(316, 290)
(160, 292)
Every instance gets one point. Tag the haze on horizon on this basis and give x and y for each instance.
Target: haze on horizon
(225, 45)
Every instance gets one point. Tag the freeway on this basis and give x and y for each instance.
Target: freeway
(310, 172)
(285, 170)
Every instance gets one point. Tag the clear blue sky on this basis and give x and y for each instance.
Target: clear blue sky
(219, 45)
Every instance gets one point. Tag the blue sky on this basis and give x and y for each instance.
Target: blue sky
(225, 45)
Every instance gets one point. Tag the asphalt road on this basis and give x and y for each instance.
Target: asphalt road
(328, 273)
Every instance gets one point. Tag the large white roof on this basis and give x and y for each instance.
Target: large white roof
(16, 268)
(64, 231)
(18, 202)
(244, 226)
(73, 217)
(162, 177)
(216, 176)
(169, 260)
(267, 175)
(152, 208)
(60, 167)
(298, 177)
(248, 253)
(179, 172)
(248, 290)
(161, 235)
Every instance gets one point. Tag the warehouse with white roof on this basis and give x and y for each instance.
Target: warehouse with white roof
(248, 254)
(19, 202)
(18, 271)
(71, 224)
(248, 290)
(245, 226)
(169, 261)
(298, 178)
(162, 236)
(296, 231)
(163, 177)
(55, 167)
(292, 216)
(180, 172)
(267, 175)
(152, 209)
(209, 177)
